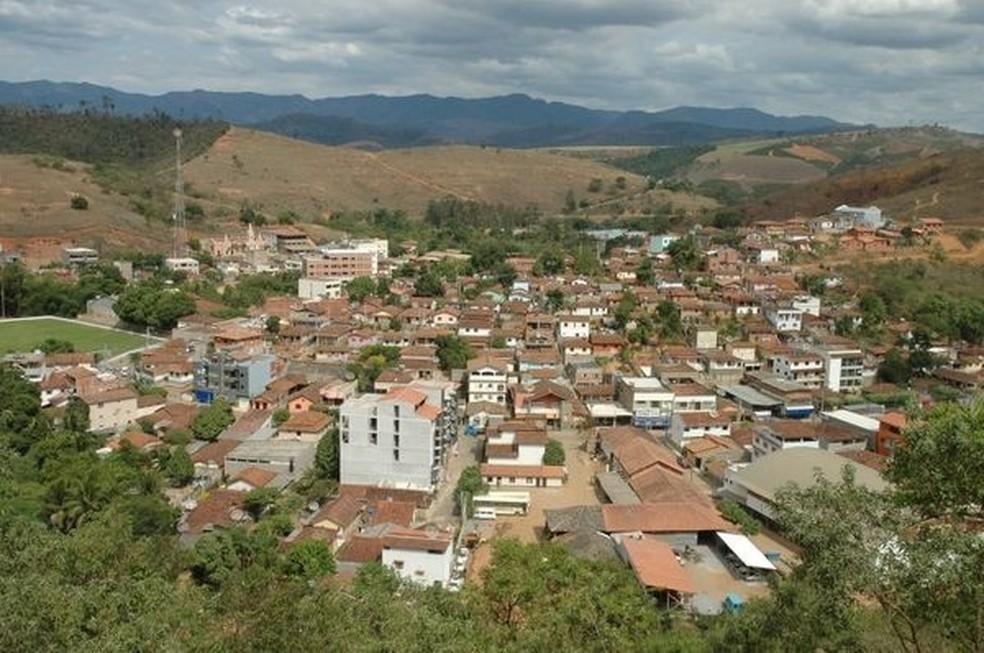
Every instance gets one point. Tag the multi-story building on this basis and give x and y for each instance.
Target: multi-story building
(785, 319)
(399, 439)
(341, 263)
(79, 256)
(722, 368)
(418, 556)
(234, 375)
(781, 434)
(184, 264)
(800, 366)
(487, 380)
(649, 401)
(843, 367)
(309, 288)
(573, 326)
(846, 217)
(378, 246)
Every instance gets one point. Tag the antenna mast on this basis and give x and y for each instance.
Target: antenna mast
(180, 235)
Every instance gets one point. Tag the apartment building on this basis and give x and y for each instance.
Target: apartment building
(487, 380)
(785, 319)
(341, 263)
(649, 401)
(801, 367)
(398, 439)
(234, 375)
(843, 367)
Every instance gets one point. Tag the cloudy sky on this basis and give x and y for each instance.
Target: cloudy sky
(882, 61)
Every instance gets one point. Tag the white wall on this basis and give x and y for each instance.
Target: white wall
(421, 567)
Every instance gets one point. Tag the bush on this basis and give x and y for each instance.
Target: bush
(79, 203)
(554, 453)
(733, 512)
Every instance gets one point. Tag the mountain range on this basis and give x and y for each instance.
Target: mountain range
(510, 120)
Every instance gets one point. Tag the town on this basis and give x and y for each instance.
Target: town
(413, 408)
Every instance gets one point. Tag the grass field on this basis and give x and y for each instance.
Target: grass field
(26, 335)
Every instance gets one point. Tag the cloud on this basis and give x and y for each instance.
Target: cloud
(883, 61)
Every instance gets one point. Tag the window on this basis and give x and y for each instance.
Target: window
(397, 564)
(345, 436)
(396, 454)
(373, 438)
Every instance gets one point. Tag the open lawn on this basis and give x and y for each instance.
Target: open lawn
(26, 335)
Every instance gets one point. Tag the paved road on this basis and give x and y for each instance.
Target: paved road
(467, 451)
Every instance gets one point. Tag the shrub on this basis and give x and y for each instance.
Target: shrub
(79, 203)
(736, 514)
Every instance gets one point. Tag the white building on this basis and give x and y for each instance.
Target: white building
(308, 288)
(688, 426)
(487, 380)
(785, 319)
(649, 401)
(843, 367)
(112, 409)
(182, 264)
(780, 435)
(419, 556)
(800, 366)
(573, 326)
(808, 304)
(378, 246)
(394, 440)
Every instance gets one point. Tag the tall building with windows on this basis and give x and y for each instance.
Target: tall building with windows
(398, 439)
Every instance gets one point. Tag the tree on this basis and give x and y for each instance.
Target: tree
(549, 263)
(938, 469)
(177, 466)
(644, 273)
(595, 185)
(76, 416)
(555, 300)
(470, 484)
(273, 325)
(453, 353)
(554, 454)
(668, 316)
(570, 202)
(873, 312)
(326, 455)
(212, 420)
(428, 284)
(151, 303)
(257, 501)
(360, 288)
(221, 555)
(79, 202)
(279, 416)
(309, 559)
(685, 253)
(895, 368)
(586, 262)
(56, 346)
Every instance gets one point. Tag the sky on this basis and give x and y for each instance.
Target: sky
(889, 62)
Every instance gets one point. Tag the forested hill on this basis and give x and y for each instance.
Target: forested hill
(102, 137)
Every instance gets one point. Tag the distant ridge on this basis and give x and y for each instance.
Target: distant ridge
(509, 120)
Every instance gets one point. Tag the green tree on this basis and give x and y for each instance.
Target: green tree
(76, 416)
(56, 346)
(219, 556)
(273, 325)
(360, 288)
(554, 453)
(549, 263)
(453, 352)
(644, 273)
(326, 461)
(668, 317)
(555, 300)
(685, 253)
(279, 416)
(309, 559)
(79, 202)
(470, 484)
(212, 420)
(257, 501)
(177, 466)
(895, 368)
(428, 284)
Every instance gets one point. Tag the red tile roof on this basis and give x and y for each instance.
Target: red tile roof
(656, 566)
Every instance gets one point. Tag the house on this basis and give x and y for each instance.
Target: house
(308, 426)
(217, 509)
(523, 475)
(657, 569)
(110, 410)
(606, 345)
(689, 426)
(785, 319)
(779, 435)
(722, 368)
(846, 217)
(649, 401)
(234, 375)
(703, 452)
(890, 428)
(288, 457)
(756, 484)
(800, 367)
(487, 380)
(555, 404)
(573, 327)
(419, 556)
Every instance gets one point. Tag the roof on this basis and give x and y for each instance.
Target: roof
(588, 545)
(746, 551)
(656, 566)
(799, 465)
(668, 517)
(113, 394)
(524, 471)
(255, 476)
(616, 489)
(416, 540)
(214, 452)
(308, 421)
(399, 513)
(657, 485)
(339, 512)
(638, 454)
(576, 518)
(217, 508)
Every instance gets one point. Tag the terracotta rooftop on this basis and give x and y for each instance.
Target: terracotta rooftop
(656, 566)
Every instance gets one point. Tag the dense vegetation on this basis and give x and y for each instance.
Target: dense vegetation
(28, 294)
(662, 163)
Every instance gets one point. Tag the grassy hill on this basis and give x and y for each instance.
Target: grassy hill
(315, 180)
(948, 185)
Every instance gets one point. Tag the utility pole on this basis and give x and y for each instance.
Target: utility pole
(180, 234)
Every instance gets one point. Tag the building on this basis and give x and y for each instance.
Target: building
(846, 217)
(308, 288)
(843, 367)
(186, 265)
(235, 376)
(889, 436)
(419, 556)
(685, 427)
(281, 456)
(779, 435)
(110, 410)
(341, 263)
(756, 484)
(377, 246)
(785, 319)
(800, 367)
(75, 257)
(397, 440)
(487, 380)
(659, 243)
(573, 327)
(649, 401)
